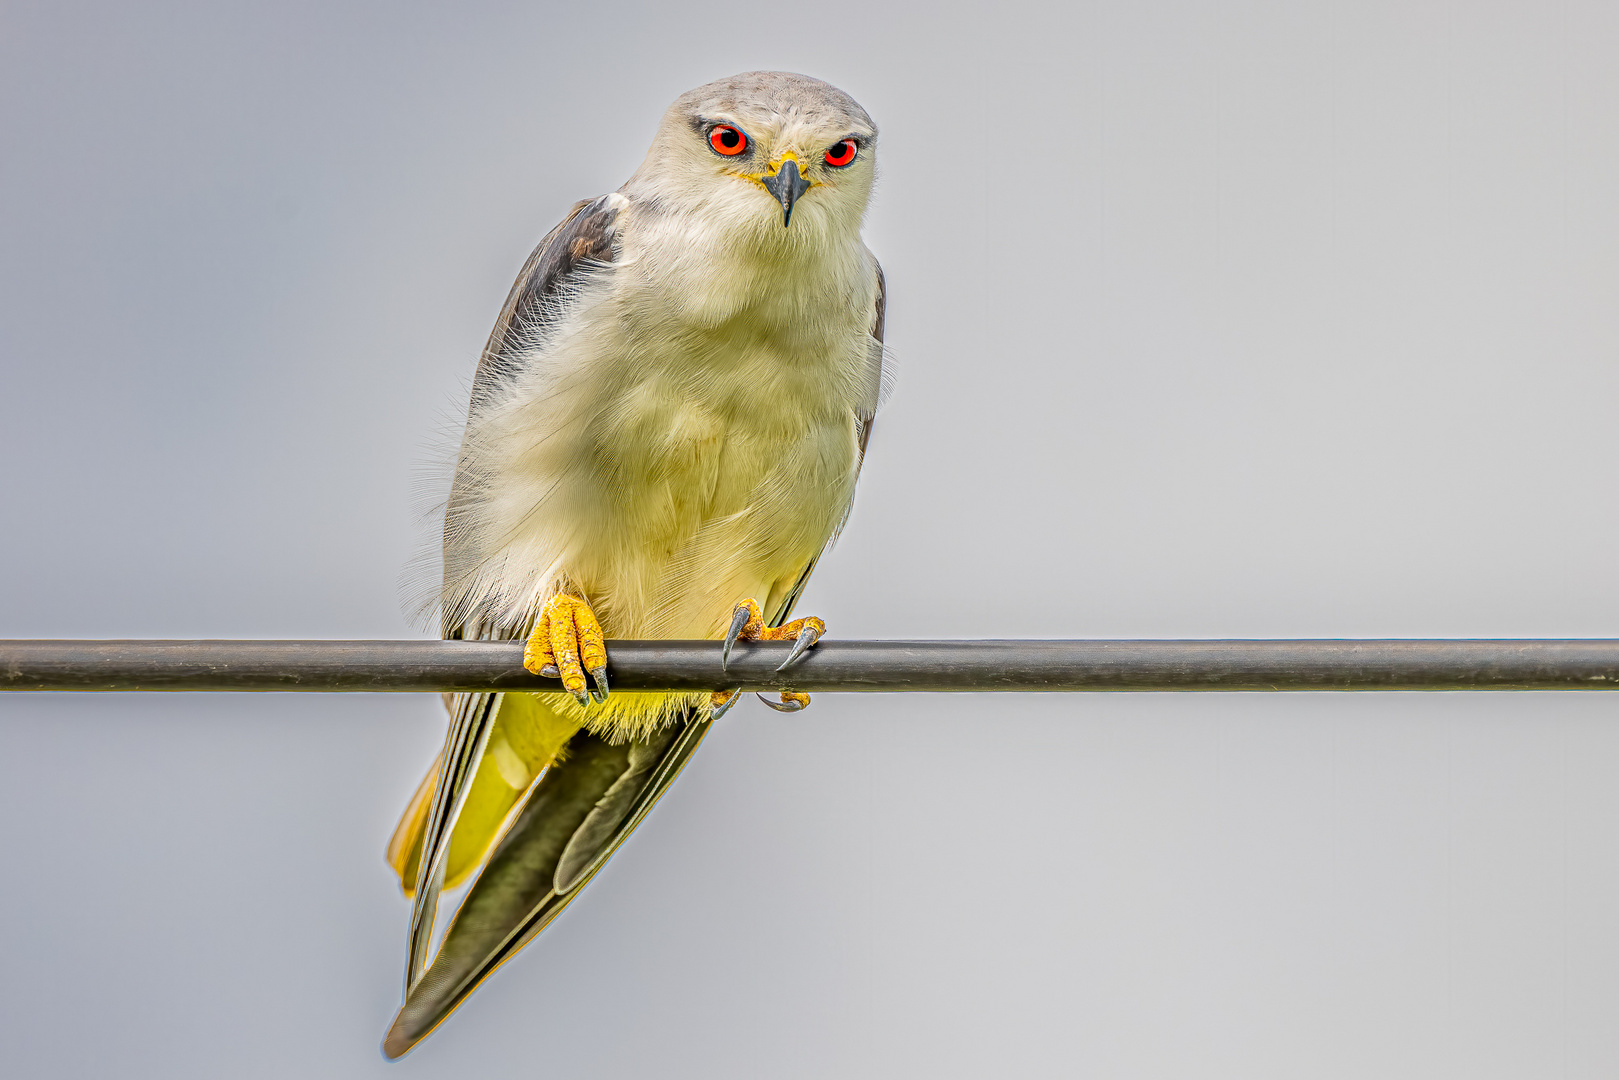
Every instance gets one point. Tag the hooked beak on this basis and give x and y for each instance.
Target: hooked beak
(786, 184)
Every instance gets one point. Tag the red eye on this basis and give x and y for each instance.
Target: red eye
(727, 140)
(842, 153)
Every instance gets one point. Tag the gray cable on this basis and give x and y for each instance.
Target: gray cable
(832, 665)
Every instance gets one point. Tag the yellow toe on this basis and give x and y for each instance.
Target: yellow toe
(567, 643)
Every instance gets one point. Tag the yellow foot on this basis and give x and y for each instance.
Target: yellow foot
(748, 624)
(567, 642)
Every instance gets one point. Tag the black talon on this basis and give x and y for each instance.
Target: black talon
(806, 637)
(739, 620)
(550, 671)
(717, 711)
(600, 675)
(581, 697)
(780, 706)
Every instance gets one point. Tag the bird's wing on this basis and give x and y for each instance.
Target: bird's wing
(879, 372)
(879, 375)
(580, 245)
(576, 815)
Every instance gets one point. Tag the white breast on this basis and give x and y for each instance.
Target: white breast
(686, 437)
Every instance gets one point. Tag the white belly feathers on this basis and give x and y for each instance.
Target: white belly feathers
(668, 450)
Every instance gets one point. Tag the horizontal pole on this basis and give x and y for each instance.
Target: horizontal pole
(833, 665)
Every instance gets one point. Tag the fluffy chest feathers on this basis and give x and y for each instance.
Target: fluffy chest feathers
(684, 435)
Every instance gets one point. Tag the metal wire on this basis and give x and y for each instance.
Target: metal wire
(417, 666)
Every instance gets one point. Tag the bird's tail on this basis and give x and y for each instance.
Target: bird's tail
(577, 814)
(527, 737)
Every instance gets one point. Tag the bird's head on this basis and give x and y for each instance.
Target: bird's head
(765, 148)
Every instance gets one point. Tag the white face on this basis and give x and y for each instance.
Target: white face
(789, 159)
(783, 156)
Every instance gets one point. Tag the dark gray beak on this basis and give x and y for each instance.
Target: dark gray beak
(787, 185)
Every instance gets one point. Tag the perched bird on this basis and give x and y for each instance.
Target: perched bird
(665, 431)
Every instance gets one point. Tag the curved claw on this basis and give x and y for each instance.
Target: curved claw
(720, 703)
(599, 674)
(550, 671)
(808, 636)
(790, 702)
(739, 622)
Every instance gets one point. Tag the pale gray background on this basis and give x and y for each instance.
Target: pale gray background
(1214, 319)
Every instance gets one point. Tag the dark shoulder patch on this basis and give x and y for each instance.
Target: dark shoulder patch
(581, 244)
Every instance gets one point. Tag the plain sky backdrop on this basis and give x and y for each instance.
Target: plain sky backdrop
(1213, 318)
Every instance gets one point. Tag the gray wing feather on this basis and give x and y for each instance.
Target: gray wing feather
(580, 245)
(577, 815)
(564, 259)
(463, 747)
(878, 372)
(601, 825)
